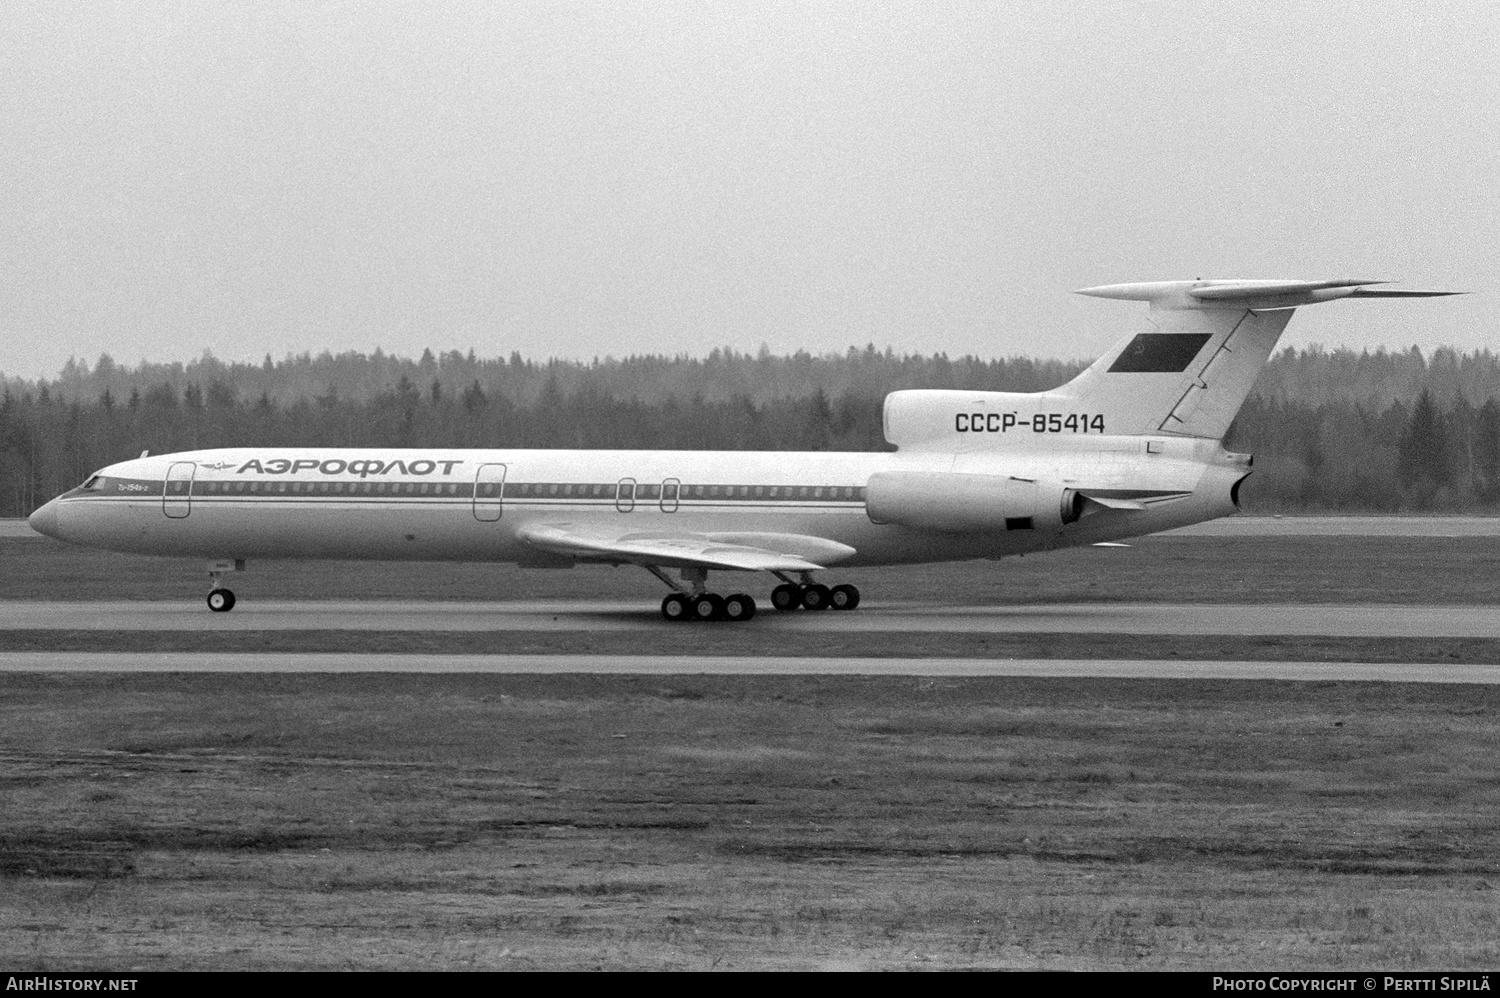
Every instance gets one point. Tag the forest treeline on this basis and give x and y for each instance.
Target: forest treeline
(1330, 430)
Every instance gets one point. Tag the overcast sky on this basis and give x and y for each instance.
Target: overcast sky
(576, 179)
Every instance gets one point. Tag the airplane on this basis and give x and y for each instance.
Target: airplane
(1131, 446)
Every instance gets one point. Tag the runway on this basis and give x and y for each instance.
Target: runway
(735, 665)
(1332, 620)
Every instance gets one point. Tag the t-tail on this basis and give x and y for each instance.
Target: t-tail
(1187, 375)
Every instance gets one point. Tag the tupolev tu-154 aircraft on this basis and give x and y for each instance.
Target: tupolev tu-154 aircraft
(1131, 446)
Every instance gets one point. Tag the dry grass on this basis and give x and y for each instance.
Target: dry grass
(750, 822)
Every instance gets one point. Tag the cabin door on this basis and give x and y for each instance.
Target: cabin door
(177, 490)
(489, 492)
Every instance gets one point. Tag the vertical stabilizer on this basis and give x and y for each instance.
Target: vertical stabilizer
(1192, 370)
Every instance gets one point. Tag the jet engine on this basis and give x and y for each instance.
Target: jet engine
(957, 503)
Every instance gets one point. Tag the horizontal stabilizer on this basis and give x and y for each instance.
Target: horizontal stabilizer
(1395, 293)
(1238, 294)
(1220, 290)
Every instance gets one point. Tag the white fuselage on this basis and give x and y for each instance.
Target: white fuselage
(468, 505)
(1128, 447)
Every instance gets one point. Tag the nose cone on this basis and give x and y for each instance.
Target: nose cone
(44, 520)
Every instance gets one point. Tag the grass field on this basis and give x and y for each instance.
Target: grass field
(491, 821)
(402, 821)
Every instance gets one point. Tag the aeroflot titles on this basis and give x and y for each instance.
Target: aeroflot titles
(363, 467)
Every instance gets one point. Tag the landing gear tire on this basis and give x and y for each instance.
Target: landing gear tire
(816, 597)
(676, 607)
(739, 607)
(844, 597)
(221, 601)
(708, 606)
(786, 597)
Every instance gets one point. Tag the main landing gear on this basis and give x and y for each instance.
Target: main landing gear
(809, 595)
(220, 599)
(707, 606)
(692, 602)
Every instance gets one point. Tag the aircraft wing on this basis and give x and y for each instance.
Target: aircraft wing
(754, 552)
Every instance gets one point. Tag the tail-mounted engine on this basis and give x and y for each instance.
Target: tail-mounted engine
(957, 503)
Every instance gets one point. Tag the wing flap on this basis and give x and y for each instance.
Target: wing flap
(682, 550)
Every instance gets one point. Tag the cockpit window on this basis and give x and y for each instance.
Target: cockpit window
(94, 484)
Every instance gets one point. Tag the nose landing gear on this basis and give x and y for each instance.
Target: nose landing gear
(220, 599)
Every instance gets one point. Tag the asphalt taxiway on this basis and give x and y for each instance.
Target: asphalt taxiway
(1303, 620)
(736, 665)
(874, 617)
